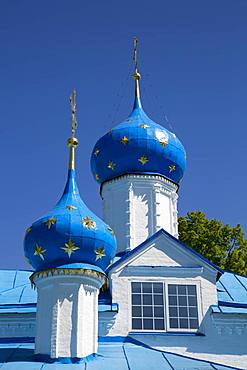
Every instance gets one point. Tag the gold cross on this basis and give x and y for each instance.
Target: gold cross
(135, 51)
(72, 100)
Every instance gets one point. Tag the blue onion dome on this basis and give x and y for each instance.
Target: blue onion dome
(70, 234)
(138, 145)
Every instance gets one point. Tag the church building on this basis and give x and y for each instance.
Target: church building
(122, 293)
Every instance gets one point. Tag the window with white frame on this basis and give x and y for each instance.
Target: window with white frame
(152, 309)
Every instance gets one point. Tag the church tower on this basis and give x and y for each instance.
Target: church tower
(139, 165)
(69, 248)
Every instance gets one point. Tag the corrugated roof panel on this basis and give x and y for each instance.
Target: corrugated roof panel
(237, 310)
(180, 362)
(7, 278)
(22, 366)
(29, 295)
(145, 359)
(234, 287)
(12, 296)
(111, 357)
(22, 277)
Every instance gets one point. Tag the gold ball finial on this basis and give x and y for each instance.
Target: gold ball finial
(72, 142)
(136, 75)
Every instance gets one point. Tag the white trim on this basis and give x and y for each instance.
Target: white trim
(199, 306)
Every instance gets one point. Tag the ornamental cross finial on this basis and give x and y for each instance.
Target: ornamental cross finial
(136, 74)
(72, 141)
(135, 52)
(72, 100)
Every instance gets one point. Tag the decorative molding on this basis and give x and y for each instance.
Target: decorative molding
(162, 271)
(229, 324)
(73, 272)
(137, 176)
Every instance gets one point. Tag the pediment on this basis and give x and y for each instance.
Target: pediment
(163, 251)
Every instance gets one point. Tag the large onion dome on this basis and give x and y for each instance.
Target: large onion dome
(138, 145)
(70, 233)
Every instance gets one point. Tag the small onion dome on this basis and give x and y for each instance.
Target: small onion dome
(69, 234)
(138, 145)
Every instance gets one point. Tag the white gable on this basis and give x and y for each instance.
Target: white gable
(163, 252)
(154, 256)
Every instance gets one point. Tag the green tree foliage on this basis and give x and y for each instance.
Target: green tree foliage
(223, 245)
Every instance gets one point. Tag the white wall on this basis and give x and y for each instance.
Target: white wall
(136, 206)
(67, 314)
(224, 336)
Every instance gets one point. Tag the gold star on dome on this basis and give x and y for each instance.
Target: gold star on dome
(163, 143)
(143, 159)
(28, 230)
(124, 140)
(88, 222)
(97, 177)
(70, 248)
(99, 253)
(111, 165)
(51, 221)
(39, 251)
(70, 207)
(172, 168)
(144, 125)
(96, 152)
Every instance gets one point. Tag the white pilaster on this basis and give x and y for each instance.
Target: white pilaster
(67, 312)
(136, 206)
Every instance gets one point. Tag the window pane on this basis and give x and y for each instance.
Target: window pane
(183, 312)
(158, 299)
(173, 311)
(173, 300)
(172, 289)
(158, 311)
(192, 301)
(136, 311)
(158, 288)
(148, 306)
(191, 289)
(193, 323)
(174, 323)
(146, 287)
(136, 299)
(184, 324)
(147, 311)
(136, 287)
(147, 324)
(182, 289)
(193, 311)
(147, 299)
(159, 324)
(136, 324)
(182, 300)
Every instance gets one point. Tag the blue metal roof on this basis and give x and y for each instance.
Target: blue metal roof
(113, 354)
(232, 294)
(17, 296)
(15, 288)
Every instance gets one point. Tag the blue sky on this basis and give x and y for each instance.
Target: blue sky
(192, 57)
